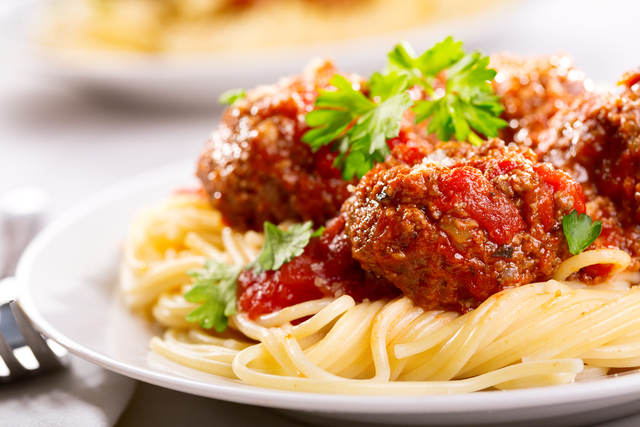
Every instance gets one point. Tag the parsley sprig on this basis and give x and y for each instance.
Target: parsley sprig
(580, 230)
(281, 246)
(215, 285)
(357, 125)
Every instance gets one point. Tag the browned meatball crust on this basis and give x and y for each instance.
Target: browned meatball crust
(450, 233)
(532, 90)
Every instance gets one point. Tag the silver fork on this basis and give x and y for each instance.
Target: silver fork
(21, 212)
(48, 361)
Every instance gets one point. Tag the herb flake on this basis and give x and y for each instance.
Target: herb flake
(580, 230)
(281, 246)
(231, 96)
(215, 286)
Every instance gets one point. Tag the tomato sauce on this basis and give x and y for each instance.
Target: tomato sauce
(492, 209)
(325, 269)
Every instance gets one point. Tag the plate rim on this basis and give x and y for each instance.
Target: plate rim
(553, 396)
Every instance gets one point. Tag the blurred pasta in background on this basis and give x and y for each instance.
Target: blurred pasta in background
(202, 25)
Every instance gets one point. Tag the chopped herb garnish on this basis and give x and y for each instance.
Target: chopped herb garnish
(358, 126)
(231, 96)
(318, 232)
(580, 230)
(215, 284)
(281, 246)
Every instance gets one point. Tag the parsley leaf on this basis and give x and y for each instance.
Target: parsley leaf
(580, 230)
(215, 285)
(469, 102)
(428, 65)
(360, 125)
(281, 246)
(338, 110)
(382, 87)
(318, 232)
(231, 96)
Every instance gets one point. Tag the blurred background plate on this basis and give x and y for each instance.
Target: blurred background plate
(196, 79)
(598, 35)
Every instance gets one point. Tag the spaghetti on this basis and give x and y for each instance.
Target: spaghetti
(539, 334)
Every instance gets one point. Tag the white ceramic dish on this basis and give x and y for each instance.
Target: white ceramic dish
(197, 80)
(68, 278)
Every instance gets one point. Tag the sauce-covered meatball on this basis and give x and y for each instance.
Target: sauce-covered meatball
(255, 167)
(532, 90)
(597, 140)
(451, 232)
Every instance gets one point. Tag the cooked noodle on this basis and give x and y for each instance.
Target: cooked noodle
(538, 334)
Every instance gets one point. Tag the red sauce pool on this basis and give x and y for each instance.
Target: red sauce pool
(325, 269)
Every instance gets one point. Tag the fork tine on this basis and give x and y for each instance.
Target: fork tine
(41, 350)
(15, 367)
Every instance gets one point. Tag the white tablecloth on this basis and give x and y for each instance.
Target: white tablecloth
(81, 395)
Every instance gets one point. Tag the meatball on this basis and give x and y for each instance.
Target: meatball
(532, 90)
(255, 167)
(597, 140)
(451, 232)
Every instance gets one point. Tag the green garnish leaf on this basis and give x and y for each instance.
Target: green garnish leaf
(354, 164)
(468, 102)
(281, 246)
(215, 286)
(318, 232)
(382, 87)
(335, 112)
(231, 96)
(358, 126)
(428, 65)
(580, 230)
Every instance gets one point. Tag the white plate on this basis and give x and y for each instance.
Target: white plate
(68, 277)
(198, 79)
